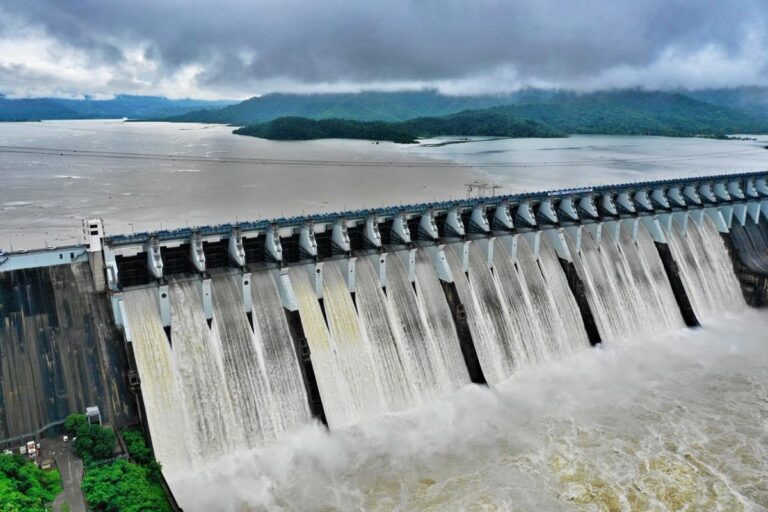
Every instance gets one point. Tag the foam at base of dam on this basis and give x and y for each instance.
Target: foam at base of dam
(60, 351)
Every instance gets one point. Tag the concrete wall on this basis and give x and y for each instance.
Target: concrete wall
(59, 350)
(748, 246)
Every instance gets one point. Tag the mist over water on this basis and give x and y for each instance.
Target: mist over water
(649, 423)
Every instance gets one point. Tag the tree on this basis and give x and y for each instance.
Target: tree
(25, 487)
(137, 446)
(93, 442)
(123, 487)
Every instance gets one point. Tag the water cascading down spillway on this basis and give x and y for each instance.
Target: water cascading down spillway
(705, 269)
(385, 349)
(521, 312)
(625, 283)
(384, 353)
(217, 387)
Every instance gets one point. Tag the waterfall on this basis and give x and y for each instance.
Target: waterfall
(420, 316)
(522, 312)
(242, 361)
(494, 335)
(554, 307)
(166, 415)
(287, 405)
(751, 244)
(238, 384)
(705, 269)
(217, 388)
(341, 355)
(188, 410)
(625, 283)
(387, 347)
(388, 352)
(450, 371)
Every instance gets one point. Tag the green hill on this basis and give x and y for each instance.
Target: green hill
(301, 128)
(753, 100)
(467, 123)
(364, 106)
(627, 112)
(134, 107)
(33, 110)
(634, 112)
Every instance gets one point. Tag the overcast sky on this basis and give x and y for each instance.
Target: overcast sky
(239, 48)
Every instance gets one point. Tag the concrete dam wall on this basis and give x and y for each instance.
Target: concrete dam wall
(60, 350)
(238, 334)
(379, 348)
(749, 246)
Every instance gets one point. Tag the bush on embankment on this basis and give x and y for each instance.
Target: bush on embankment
(24, 487)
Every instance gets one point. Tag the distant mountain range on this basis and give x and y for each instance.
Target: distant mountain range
(634, 112)
(407, 115)
(364, 106)
(625, 112)
(133, 107)
(401, 106)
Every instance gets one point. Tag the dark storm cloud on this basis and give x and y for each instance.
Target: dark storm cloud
(235, 45)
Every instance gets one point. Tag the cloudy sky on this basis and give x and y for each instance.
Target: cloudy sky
(240, 48)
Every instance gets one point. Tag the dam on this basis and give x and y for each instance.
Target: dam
(223, 338)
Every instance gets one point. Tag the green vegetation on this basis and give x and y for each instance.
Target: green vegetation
(92, 442)
(141, 453)
(119, 485)
(468, 123)
(123, 487)
(24, 487)
(364, 106)
(299, 128)
(137, 446)
(479, 123)
(626, 112)
(635, 112)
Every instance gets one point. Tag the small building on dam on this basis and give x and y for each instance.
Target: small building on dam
(222, 337)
